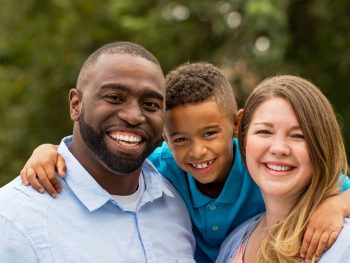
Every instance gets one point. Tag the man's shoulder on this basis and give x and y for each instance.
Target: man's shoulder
(17, 200)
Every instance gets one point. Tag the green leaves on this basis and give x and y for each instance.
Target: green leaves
(44, 43)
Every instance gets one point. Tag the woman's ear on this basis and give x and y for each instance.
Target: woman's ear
(238, 120)
(75, 103)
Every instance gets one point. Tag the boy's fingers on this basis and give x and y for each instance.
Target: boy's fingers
(61, 166)
(333, 237)
(322, 244)
(45, 181)
(51, 174)
(313, 245)
(306, 241)
(23, 175)
(33, 180)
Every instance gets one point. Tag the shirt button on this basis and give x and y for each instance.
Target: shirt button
(215, 228)
(213, 207)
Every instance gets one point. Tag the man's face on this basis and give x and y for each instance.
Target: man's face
(121, 111)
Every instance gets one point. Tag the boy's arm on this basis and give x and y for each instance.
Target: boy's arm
(325, 224)
(40, 169)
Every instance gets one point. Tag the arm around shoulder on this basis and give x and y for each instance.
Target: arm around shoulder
(14, 246)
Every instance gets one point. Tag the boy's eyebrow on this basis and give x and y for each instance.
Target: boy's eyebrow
(214, 126)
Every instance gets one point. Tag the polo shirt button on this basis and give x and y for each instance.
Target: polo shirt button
(215, 228)
(213, 207)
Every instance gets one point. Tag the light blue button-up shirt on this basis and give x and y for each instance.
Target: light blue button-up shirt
(85, 224)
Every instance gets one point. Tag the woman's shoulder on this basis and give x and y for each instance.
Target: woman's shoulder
(233, 240)
(340, 251)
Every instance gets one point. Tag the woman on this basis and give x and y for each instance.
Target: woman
(293, 148)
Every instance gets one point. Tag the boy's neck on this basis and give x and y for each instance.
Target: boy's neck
(214, 189)
(211, 190)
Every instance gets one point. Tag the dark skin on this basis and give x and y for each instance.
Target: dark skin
(123, 95)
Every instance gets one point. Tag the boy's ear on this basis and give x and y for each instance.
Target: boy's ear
(238, 120)
(166, 139)
(75, 104)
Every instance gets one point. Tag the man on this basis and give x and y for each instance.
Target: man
(114, 206)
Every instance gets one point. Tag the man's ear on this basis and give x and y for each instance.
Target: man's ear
(238, 120)
(75, 104)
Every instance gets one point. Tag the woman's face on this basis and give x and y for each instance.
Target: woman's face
(276, 152)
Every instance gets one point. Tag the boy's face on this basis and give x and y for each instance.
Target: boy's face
(200, 137)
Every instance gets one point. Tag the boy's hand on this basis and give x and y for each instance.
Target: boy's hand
(323, 228)
(40, 169)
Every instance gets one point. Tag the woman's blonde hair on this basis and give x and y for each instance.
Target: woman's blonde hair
(324, 140)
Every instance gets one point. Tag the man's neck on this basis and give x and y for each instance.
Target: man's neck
(113, 183)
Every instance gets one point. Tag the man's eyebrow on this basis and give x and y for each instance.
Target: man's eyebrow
(147, 93)
(153, 94)
(115, 86)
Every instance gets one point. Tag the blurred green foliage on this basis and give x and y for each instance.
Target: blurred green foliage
(44, 43)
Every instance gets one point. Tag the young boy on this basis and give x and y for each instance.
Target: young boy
(201, 159)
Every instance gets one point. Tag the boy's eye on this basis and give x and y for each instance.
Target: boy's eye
(152, 106)
(180, 140)
(209, 133)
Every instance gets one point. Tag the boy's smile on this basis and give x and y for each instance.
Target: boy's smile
(200, 136)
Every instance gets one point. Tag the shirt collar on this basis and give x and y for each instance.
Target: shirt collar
(91, 194)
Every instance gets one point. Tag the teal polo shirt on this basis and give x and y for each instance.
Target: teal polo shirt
(213, 218)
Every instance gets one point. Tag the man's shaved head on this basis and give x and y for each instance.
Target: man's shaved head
(121, 47)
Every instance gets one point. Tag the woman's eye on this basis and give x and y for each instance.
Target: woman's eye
(297, 135)
(263, 132)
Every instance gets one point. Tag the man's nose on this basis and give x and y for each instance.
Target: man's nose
(132, 113)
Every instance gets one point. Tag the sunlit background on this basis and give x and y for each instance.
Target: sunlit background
(43, 44)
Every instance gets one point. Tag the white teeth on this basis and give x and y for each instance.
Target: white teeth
(126, 138)
(202, 165)
(279, 167)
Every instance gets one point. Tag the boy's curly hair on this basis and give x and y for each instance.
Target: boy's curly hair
(192, 83)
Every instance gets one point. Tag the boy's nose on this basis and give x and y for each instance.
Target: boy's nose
(198, 150)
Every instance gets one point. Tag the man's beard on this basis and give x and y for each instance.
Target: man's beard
(122, 163)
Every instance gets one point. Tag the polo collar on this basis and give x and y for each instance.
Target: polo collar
(231, 189)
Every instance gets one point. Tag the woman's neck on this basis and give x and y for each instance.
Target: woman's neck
(277, 209)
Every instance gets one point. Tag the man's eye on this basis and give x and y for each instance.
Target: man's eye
(153, 106)
(113, 98)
